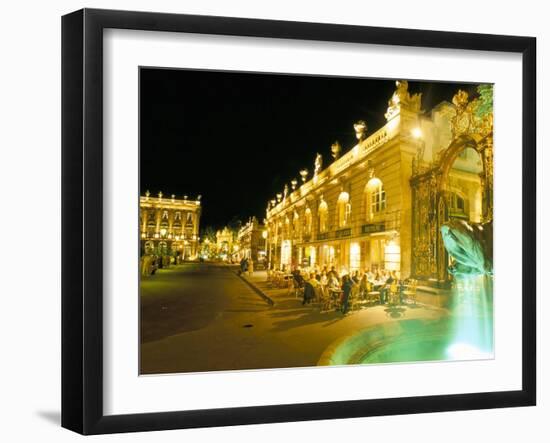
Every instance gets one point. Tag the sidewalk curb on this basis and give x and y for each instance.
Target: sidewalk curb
(257, 290)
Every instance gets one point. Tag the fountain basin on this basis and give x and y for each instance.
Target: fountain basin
(410, 340)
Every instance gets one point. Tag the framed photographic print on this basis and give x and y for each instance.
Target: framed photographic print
(269, 221)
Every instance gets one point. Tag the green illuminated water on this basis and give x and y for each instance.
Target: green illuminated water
(466, 333)
(472, 317)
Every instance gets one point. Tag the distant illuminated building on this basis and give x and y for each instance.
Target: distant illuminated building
(251, 241)
(169, 226)
(380, 205)
(226, 245)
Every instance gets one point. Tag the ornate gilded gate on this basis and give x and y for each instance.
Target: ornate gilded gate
(472, 127)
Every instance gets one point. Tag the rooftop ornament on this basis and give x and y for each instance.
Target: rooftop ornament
(360, 128)
(160, 195)
(293, 183)
(279, 197)
(318, 164)
(402, 99)
(336, 149)
(303, 174)
(147, 194)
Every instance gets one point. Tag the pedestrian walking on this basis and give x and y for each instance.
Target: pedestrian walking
(347, 285)
(250, 267)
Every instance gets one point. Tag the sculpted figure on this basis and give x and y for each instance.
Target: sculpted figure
(360, 129)
(471, 245)
(318, 163)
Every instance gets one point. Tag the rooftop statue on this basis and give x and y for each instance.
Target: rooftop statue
(471, 246)
(402, 98)
(360, 128)
(336, 149)
(318, 164)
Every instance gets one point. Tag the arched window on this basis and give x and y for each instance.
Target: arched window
(307, 221)
(375, 198)
(323, 216)
(287, 227)
(296, 223)
(344, 210)
(151, 223)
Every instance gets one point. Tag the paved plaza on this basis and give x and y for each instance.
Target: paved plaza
(199, 317)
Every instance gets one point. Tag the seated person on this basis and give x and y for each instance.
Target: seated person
(333, 283)
(298, 279)
(309, 290)
(333, 273)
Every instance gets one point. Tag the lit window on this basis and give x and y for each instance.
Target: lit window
(323, 217)
(354, 257)
(307, 221)
(375, 198)
(344, 209)
(296, 223)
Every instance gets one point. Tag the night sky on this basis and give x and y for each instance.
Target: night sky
(237, 138)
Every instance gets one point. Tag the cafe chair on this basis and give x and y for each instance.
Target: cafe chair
(410, 290)
(356, 300)
(393, 294)
(372, 295)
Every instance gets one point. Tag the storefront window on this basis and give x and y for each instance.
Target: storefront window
(354, 257)
(286, 251)
(392, 256)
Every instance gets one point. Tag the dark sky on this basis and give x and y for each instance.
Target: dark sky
(237, 138)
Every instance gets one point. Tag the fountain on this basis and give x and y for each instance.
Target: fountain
(466, 333)
(470, 246)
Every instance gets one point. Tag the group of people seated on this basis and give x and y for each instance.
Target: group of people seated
(331, 288)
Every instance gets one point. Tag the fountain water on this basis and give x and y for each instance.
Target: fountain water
(472, 309)
(471, 318)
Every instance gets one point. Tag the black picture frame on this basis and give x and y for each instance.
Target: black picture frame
(82, 219)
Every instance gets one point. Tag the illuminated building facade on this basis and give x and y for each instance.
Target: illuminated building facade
(169, 226)
(251, 239)
(226, 245)
(381, 204)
